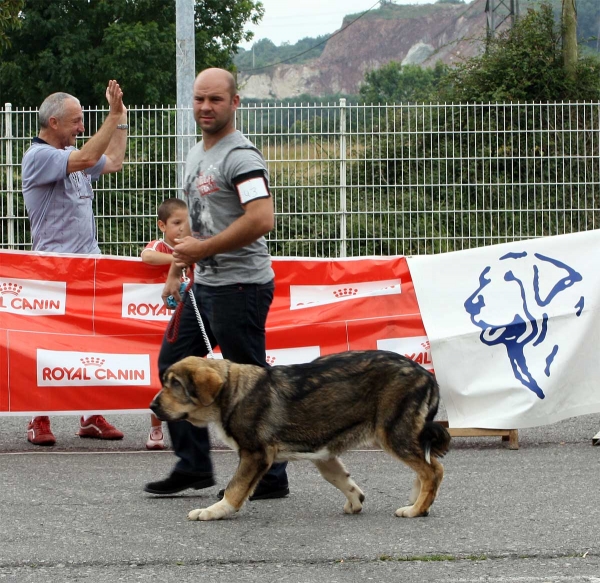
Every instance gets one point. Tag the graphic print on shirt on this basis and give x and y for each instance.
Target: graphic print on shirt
(82, 184)
(196, 189)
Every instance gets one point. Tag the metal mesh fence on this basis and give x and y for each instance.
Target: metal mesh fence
(355, 180)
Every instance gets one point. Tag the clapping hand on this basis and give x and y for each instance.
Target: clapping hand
(114, 96)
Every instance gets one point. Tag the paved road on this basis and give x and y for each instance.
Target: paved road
(76, 512)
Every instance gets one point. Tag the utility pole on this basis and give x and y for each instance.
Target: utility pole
(569, 23)
(498, 12)
(186, 73)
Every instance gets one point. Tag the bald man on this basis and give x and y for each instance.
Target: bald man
(226, 187)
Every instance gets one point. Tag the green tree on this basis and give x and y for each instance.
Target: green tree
(76, 46)
(9, 19)
(394, 83)
(569, 39)
(523, 63)
(588, 19)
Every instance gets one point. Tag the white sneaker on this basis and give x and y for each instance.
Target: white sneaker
(156, 439)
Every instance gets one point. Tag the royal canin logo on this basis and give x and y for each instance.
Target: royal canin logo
(92, 361)
(68, 368)
(10, 288)
(30, 297)
(345, 292)
(416, 348)
(310, 296)
(144, 302)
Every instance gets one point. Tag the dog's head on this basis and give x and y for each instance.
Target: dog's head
(511, 306)
(189, 390)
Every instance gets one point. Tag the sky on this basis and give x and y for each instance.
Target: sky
(291, 20)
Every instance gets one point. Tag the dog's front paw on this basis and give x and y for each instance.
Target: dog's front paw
(352, 508)
(217, 511)
(355, 500)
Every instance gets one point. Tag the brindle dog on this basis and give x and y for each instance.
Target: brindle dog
(313, 411)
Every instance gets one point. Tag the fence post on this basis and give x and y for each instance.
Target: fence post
(185, 130)
(10, 211)
(343, 193)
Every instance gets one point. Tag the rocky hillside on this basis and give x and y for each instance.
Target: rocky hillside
(417, 34)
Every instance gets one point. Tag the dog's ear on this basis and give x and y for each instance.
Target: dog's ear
(208, 383)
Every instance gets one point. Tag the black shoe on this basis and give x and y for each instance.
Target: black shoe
(264, 492)
(178, 481)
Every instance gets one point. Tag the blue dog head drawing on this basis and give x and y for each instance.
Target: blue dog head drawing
(510, 306)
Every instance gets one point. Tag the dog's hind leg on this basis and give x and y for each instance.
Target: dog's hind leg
(430, 476)
(251, 468)
(335, 473)
(415, 491)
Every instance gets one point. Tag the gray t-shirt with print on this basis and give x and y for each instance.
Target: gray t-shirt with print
(214, 204)
(59, 205)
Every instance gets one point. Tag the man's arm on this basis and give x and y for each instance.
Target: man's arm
(115, 153)
(258, 220)
(102, 141)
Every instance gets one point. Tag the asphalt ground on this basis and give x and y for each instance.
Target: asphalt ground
(77, 512)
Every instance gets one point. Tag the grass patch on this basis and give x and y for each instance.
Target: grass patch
(423, 558)
(432, 558)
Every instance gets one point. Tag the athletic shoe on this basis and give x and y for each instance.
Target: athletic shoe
(39, 432)
(156, 439)
(178, 482)
(98, 428)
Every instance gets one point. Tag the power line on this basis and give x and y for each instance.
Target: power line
(314, 47)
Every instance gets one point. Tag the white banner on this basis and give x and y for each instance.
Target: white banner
(514, 330)
(32, 297)
(63, 368)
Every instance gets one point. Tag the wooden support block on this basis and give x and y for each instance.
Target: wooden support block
(510, 435)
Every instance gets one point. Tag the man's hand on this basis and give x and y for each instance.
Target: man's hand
(187, 251)
(114, 96)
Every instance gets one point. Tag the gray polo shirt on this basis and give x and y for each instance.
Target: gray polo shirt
(59, 205)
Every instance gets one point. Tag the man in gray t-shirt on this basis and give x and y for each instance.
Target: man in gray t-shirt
(58, 196)
(213, 180)
(226, 187)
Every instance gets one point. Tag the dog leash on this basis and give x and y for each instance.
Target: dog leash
(172, 334)
(186, 280)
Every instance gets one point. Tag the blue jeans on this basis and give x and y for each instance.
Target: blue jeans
(234, 318)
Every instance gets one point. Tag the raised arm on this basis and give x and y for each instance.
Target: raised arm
(107, 140)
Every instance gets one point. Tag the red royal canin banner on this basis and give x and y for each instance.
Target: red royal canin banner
(82, 333)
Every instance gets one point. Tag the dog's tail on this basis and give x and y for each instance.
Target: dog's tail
(435, 440)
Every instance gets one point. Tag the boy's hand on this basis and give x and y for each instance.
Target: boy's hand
(172, 286)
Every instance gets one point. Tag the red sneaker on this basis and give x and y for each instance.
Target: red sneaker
(39, 432)
(98, 428)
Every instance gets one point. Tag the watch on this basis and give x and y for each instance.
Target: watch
(123, 126)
